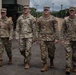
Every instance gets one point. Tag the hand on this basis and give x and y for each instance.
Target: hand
(56, 41)
(62, 42)
(36, 40)
(10, 39)
(17, 40)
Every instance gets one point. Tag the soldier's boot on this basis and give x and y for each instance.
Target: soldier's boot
(27, 66)
(74, 69)
(51, 63)
(1, 63)
(67, 70)
(44, 68)
(10, 61)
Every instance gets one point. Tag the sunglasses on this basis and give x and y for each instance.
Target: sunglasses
(46, 10)
(72, 10)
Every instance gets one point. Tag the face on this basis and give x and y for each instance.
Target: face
(72, 12)
(46, 11)
(26, 10)
(3, 14)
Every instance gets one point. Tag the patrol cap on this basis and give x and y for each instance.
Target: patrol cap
(72, 8)
(3, 10)
(46, 8)
(26, 6)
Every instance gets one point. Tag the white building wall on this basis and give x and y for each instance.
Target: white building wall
(23, 2)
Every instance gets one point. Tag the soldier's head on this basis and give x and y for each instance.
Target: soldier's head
(26, 9)
(72, 11)
(46, 10)
(3, 12)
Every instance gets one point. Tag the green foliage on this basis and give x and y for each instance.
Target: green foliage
(33, 11)
(60, 13)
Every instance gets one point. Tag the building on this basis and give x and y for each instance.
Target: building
(14, 7)
(23, 2)
(0, 6)
(18, 2)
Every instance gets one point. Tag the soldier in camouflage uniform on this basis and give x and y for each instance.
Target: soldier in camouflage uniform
(68, 37)
(47, 27)
(6, 33)
(25, 33)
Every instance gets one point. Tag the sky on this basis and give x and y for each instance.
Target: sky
(54, 4)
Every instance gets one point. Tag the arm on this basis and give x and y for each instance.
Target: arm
(55, 28)
(10, 29)
(38, 27)
(34, 28)
(63, 31)
(17, 31)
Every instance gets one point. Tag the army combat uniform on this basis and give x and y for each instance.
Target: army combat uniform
(6, 33)
(1, 52)
(47, 34)
(68, 33)
(25, 30)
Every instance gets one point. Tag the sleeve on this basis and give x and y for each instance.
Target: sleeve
(63, 28)
(34, 28)
(38, 27)
(17, 31)
(10, 29)
(55, 24)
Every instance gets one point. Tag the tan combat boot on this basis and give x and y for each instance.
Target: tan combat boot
(10, 61)
(44, 68)
(27, 66)
(1, 63)
(67, 70)
(51, 63)
(74, 69)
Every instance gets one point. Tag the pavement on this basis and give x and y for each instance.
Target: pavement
(17, 68)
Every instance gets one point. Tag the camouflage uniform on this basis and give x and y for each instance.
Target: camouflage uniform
(6, 33)
(25, 30)
(1, 50)
(47, 28)
(68, 34)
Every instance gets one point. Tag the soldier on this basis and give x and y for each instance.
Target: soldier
(6, 33)
(47, 27)
(68, 39)
(25, 33)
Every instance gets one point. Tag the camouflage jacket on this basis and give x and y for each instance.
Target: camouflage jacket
(47, 28)
(6, 28)
(68, 29)
(25, 27)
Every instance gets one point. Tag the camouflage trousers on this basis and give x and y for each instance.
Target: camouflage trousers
(70, 48)
(7, 45)
(47, 46)
(1, 50)
(73, 45)
(25, 48)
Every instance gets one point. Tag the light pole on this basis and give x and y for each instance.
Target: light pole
(36, 10)
(65, 13)
(52, 7)
(61, 9)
